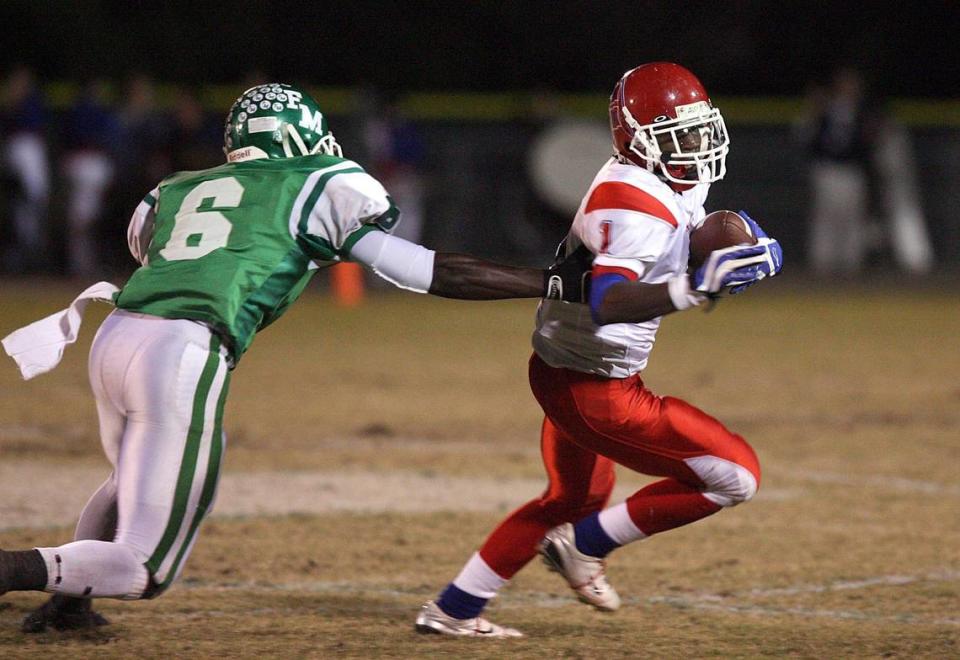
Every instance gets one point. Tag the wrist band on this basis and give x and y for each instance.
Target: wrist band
(681, 295)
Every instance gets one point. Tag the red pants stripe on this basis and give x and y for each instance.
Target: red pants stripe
(592, 422)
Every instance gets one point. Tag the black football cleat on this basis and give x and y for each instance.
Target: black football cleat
(63, 613)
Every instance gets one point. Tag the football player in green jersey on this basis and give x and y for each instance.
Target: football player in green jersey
(223, 253)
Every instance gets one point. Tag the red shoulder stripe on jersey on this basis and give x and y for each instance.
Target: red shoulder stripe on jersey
(614, 270)
(619, 195)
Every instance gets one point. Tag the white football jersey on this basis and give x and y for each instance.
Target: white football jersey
(635, 225)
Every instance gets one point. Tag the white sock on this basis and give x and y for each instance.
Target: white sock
(478, 579)
(618, 525)
(96, 569)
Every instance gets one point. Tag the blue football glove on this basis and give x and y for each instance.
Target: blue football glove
(745, 278)
(757, 230)
(773, 263)
(736, 266)
(773, 245)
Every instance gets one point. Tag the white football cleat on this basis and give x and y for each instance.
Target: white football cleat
(433, 620)
(586, 575)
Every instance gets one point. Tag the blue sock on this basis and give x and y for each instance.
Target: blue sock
(591, 539)
(459, 604)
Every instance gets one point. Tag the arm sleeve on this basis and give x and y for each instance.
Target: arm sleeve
(140, 229)
(351, 204)
(402, 263)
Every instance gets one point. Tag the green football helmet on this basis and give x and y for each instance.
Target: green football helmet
(276, 121)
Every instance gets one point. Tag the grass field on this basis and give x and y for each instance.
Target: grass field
(371, 449)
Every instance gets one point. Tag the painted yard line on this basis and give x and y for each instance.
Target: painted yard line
(706, 602)
(944, 575)
(839, 615)
(882, 482)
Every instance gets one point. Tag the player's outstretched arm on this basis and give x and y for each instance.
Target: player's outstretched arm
(469, 278)
(450, 275)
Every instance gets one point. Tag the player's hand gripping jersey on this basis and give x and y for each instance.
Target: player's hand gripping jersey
(638, 227)
(234, 246)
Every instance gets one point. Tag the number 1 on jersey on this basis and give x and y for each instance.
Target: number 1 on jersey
(198, 233)
(605, 236)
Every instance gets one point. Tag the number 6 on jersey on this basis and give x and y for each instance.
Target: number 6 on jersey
(198, 233)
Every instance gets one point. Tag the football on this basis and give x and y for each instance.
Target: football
(720, 229)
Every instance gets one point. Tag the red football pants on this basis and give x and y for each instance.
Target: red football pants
(593, 422)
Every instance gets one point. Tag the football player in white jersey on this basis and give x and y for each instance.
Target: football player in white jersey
(670, 144)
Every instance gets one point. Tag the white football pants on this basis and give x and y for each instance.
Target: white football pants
(160, 387)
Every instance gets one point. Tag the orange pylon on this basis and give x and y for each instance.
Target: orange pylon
(346, 282)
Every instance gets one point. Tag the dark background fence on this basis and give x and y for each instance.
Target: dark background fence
(464, 74)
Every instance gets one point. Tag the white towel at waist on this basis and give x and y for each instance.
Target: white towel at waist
(38, 347)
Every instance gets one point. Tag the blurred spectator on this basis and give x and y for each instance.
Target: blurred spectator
(839, 133)
(24, 158)
(900, 199)
(142, 157)
(89, 141)
(196, 141)
(395, 153)
(858, 153)
(144, 132)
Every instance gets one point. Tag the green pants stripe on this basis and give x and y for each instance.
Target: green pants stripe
(188, 465)
(209, 484)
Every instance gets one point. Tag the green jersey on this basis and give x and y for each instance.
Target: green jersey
(233, 246)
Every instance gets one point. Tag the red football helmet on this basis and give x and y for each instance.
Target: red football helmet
(662, 119)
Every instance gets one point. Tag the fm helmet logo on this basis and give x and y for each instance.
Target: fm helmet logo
(312, 121)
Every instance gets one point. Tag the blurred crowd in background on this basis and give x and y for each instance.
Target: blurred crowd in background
(70, 178)
(863, 181)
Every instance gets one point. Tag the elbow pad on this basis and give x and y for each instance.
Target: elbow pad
(402, 263)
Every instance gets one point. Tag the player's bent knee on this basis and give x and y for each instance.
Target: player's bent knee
(727, 483)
